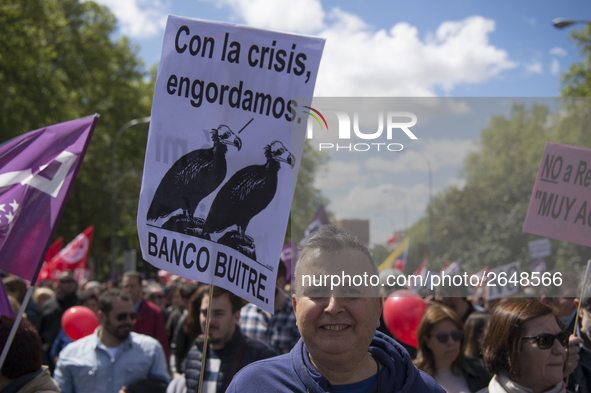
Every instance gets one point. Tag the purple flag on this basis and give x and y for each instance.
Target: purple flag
(37, 171)
(320, 219)
(5, 308)
(286, 258)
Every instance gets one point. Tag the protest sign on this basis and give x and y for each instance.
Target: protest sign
(560, 205)
(217, 182)
(539, 248)
(503, 281)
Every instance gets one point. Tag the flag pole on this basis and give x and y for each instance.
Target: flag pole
(579, 307)
(15, 326)
(581, 296)
(205, 336)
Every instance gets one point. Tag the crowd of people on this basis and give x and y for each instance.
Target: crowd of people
(150, 337)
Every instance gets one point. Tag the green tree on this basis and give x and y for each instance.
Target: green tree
(306, 198)
(58, 63)
(577, 80)
(482, 223)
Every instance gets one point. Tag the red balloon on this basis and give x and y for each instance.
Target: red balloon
(403, 311)
(79, 321)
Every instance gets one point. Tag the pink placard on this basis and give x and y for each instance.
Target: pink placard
(560, 205)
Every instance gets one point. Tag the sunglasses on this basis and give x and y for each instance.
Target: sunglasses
(456, 335)
(67, 281)
(124, 315)
(546, 340)
(157, 296)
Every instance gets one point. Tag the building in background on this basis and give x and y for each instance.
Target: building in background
(359, 228)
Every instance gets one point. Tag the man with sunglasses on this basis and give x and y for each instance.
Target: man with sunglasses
(114, 356)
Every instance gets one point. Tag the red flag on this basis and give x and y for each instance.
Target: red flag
(392, 240)
(37, 172)
(45, 272)
(54, 249)
(75, 254)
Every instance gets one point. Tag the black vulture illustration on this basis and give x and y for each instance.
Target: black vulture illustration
(192, 177)
(246, 194)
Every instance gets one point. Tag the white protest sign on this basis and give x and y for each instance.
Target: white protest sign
(560, 205)
(503, 281)
(217, 183)
(539, 248)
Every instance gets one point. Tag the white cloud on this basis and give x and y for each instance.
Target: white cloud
(363, 201)
(338, 175)
(359, 61)
(139, 18)
(439, 153)
(457, 182)
(302, 16)
(554, 67)
(557, 51)
(535, 67)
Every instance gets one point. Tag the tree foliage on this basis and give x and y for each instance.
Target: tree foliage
(577, 80)
(58, 63)
(482, 223)
(306, 198)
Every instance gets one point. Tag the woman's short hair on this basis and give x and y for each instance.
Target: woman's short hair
(474, 330)
(434, 314)
(502, 346)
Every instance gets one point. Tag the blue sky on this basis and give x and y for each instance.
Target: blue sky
(453, 48)
(385, 48)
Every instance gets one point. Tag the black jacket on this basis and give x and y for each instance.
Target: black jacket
(475, 373)
(580, 378)
(253, 350)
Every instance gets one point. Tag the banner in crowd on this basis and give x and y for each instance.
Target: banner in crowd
(54, 249)
(560, 205)
(217, 181)
(503, 281)
(286, 254)
(73, 257)
(397, 259)
(37, 172)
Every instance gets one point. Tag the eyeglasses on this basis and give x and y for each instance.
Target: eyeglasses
(546, 340)
(456, 335)
(67, 280)
(124, 315)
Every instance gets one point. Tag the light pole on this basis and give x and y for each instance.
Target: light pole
(561, 23)
(405, 208)
(430, 207)
(127, 125)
